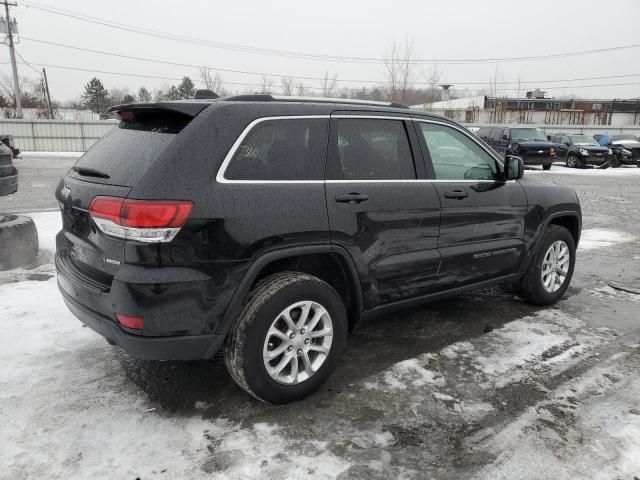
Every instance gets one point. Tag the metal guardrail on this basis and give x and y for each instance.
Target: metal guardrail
(55, 135)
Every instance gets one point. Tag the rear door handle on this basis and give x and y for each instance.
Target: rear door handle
(352, 198)
(456, 194)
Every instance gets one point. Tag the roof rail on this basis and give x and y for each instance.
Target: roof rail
(286, 98)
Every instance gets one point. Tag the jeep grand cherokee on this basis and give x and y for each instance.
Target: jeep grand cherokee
(269, 227)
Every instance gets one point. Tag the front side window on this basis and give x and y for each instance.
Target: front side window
(373, 149)
(455, 156)
(288, 149)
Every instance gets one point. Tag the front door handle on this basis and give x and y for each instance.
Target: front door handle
(456, 194)
(352, 198)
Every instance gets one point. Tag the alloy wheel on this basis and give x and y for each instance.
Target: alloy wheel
(298, 342)
(555, 266)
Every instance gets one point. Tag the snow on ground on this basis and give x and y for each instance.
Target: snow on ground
(589, 429)
(97, 424)
(69, 412)
(51, 154)
(623, 171)
(602, 237)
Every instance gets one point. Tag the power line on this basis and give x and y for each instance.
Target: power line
(27, 63)
(307, 55)
(302, 77)
(94, 71)
(155, 77)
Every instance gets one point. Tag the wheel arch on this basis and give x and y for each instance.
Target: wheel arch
(568, 219)
(330, 263)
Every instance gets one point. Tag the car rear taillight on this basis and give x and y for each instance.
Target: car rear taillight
(151, 221)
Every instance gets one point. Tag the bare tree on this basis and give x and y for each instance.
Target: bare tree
(433, 78)
(300, 89)
(211, 82)
(287, 85)
(328, 84)
(399, 69)
(267, 85)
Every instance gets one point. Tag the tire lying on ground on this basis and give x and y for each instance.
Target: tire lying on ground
(18, 241)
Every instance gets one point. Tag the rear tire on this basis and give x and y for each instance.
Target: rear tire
(532, 286)
(262, 330)
(18, 241)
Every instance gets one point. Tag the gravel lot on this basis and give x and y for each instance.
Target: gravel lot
(482, 386)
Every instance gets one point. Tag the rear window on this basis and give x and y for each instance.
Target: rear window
(128, 150)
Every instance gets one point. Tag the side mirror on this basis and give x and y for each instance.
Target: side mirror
(513, 168)
(505, 137)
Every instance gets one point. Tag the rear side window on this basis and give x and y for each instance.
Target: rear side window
(288, 149)
(496, 133)
(373, 149)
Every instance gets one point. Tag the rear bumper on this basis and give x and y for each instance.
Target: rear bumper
(180, 307)
(8, 185)
(188, 347)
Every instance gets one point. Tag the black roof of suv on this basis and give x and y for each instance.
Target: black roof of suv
(267, 227)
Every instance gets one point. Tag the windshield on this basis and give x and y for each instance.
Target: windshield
(528, 134)
(583, 140)
(624, 137)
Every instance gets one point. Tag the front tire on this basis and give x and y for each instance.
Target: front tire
(614, 161)
(546, 167)
(573, 161)
(551, 269)
(288, 338)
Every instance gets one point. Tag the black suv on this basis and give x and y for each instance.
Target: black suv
(530, 144)
(579, 150)
(268, 227)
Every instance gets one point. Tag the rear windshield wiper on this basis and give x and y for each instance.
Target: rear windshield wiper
(90, 172)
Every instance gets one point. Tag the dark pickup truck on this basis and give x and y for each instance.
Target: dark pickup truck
(530, 144)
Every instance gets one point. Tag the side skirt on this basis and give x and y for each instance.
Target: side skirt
(431, 297)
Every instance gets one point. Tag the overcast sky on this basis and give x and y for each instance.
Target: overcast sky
(451, 29)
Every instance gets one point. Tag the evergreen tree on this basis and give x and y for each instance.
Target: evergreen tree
(173, 94)
(143, 95)
(187, 88)
(95, 96)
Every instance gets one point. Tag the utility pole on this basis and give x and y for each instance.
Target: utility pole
(46, 87)
(16, 85)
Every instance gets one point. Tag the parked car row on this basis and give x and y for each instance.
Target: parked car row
(577, 150)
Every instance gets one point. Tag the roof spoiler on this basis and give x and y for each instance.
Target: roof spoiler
(190, 109)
